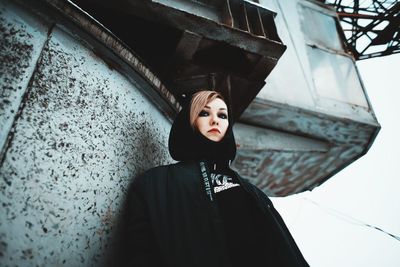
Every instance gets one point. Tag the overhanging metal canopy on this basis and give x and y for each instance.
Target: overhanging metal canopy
(230, 46)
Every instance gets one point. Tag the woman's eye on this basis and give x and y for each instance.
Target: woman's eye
(223, 116)
(203, 113)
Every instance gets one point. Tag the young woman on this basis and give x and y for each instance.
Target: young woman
(199, 212)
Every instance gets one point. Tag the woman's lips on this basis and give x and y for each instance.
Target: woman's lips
(214, 130)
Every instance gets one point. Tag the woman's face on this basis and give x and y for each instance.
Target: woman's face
(212, 121)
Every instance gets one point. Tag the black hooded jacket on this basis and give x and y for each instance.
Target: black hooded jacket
(174, 217)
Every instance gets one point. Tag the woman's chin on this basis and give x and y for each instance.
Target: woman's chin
(214, 138)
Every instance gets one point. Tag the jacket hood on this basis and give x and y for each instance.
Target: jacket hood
(185, 143)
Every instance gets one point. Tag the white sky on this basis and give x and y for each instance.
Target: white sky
(327, 223)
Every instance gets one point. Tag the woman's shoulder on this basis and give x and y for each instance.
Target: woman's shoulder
(155, 171)
(171, 166)
(164, 170)
(149, 176)
(160, 176)
(255, 190)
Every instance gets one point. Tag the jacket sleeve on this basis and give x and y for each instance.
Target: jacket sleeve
(299, 258)
(143, 248)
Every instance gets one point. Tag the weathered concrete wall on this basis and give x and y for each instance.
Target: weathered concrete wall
(73, 135)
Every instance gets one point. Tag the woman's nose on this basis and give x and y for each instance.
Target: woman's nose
(214, 120)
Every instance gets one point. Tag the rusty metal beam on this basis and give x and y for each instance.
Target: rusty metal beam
(200, 40)
(363, 19)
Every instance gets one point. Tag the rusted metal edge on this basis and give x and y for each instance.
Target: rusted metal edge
(268, 105)
(349, 161)
(220, 32)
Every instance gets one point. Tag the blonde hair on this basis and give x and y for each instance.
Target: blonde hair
(199, 101)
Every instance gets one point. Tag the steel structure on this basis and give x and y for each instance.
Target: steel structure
(371, 27)
(88, 90)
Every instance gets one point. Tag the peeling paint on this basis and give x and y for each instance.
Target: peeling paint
(280, 172)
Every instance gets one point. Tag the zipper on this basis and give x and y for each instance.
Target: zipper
(206, 180)
(214, 213)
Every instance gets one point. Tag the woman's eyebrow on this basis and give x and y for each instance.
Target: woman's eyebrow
(219, 109)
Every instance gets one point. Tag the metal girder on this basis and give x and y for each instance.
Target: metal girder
(371, 27)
